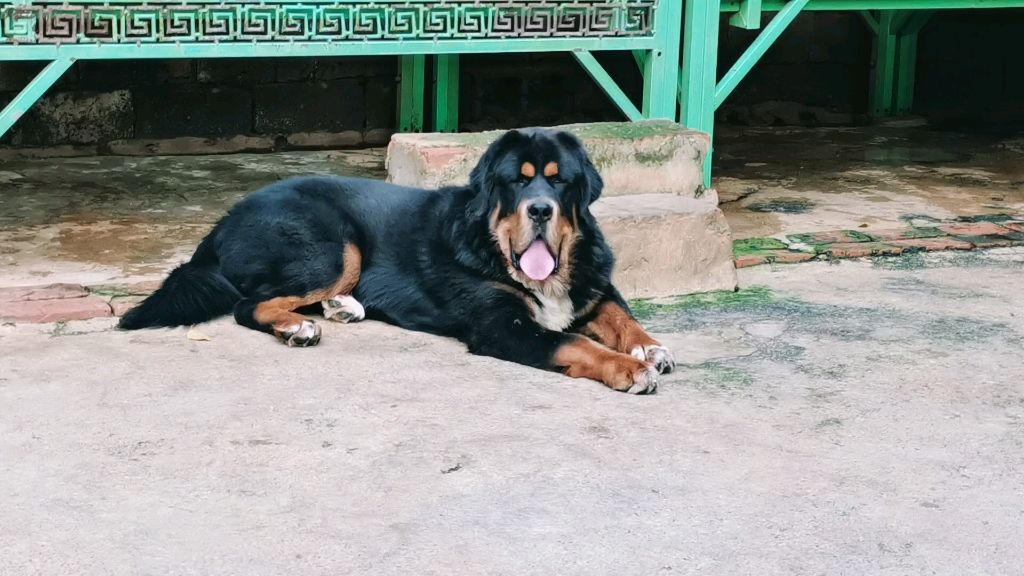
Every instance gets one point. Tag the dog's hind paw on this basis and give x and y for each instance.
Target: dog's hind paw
(343, 309)
(644, 382)
(659, 356)
(302, 335)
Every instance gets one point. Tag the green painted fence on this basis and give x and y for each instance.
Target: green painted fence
(655, 31)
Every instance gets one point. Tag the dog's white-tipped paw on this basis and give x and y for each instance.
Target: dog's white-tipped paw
(343, 309)
(659, 356)
(644, 382)
(302, 335)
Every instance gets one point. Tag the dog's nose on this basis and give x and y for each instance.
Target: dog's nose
(540, 212)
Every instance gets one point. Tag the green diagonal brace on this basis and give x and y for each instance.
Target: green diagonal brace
(33, 92)
(756, 50)
(600, 75)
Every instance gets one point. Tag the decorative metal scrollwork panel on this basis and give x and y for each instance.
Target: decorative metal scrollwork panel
(339, 21)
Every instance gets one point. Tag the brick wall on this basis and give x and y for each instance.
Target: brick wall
(818, 73)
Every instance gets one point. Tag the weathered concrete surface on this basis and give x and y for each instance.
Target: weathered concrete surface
(118, 220)
(865, 417)
(778, 181)
(667, 245)
(649, 157)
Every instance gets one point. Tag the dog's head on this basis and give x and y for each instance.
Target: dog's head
(534, 187)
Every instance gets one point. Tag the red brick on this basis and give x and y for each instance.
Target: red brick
(934, 244)
(822, 237)
(860, 249)
(749, 260)
(1015, 226)
(57, 310)
(50, 292)
(787, 257)
(987, 241)
(122, 304)
(974, 229)
(144, 288)
(905, 234)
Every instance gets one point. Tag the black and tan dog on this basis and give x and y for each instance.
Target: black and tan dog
(513, 265)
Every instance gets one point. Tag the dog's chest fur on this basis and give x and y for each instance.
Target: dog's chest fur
(553, 312)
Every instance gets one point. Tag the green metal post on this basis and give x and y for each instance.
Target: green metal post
(885, 64)
(906, 61)
(446, 93)
(661, 67)
(33, 92)
(896, 60)
(410, 93)
(906, 71)
(699, 73)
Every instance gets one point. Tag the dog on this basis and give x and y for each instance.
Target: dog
(513, 265)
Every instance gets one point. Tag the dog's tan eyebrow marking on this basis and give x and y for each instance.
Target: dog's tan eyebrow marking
(528, 170)
(551, 169)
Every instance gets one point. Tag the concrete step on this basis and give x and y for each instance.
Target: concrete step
(667, 232)
(667, 245)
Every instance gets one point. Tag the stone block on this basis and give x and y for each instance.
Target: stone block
(649, 157)
(188, 145)
(325, 139)
(667, 244)
(328, 106)
(199, 111)
(77, 118)
(932, 244)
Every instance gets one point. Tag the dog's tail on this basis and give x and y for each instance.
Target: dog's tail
(192, 293)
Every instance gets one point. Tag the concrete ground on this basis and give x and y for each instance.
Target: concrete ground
(778, 181)
(860, 417)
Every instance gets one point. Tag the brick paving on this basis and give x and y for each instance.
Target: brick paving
(963, 234)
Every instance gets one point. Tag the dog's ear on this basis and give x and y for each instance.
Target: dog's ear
(481, 179)
(591, 182)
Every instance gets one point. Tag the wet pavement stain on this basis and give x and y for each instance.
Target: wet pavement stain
(100, 219)
(782, 205)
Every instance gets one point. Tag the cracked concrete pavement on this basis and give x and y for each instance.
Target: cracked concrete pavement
(859, 417)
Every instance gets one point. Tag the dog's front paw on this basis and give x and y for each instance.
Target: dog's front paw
(302, 335)
(633, 376)
(659, 356)
(343, 309)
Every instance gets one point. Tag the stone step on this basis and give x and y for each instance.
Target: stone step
(667, 245)
(667, 232)
(647, 157)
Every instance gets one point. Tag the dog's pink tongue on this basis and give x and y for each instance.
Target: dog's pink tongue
(537, 262)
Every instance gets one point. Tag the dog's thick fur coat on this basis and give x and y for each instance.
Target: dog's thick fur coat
(513, 265)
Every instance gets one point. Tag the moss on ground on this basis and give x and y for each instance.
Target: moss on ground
(748, 298)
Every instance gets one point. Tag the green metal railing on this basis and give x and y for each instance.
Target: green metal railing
(895, 23)
(62, 32)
